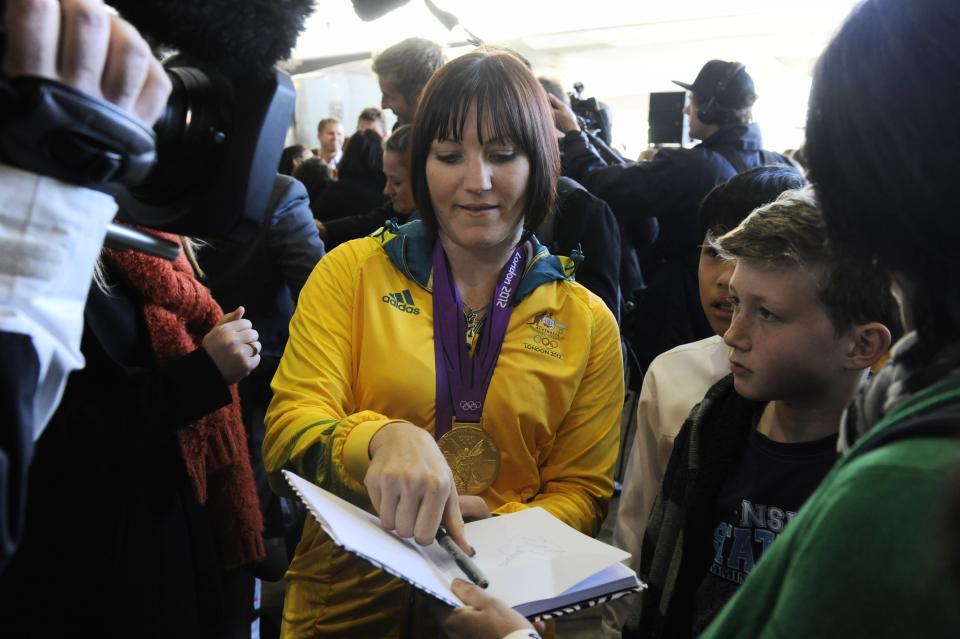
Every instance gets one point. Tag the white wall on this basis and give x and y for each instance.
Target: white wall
(622, 66)
(341, 92)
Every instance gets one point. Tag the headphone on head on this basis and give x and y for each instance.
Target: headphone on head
(706, 112)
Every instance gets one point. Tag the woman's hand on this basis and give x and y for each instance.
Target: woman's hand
(411, 487)
(484, 616)
(232, 345)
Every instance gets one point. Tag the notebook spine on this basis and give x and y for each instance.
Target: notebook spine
(588, 603)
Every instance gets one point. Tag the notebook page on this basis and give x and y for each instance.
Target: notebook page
(360, 532)
(528, 555)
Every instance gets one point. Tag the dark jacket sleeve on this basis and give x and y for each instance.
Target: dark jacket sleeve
(350, 228)
(121, 393)
(587, 222)
(19, 372)
(294, 242)
(153, 401)
(632, 190)
(186, 389)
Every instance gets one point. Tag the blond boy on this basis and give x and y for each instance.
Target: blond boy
(806, 327)
(677, 380)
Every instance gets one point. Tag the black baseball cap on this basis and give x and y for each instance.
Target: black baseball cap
(728, 82)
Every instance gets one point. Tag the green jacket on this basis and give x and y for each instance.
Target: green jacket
(865, 555)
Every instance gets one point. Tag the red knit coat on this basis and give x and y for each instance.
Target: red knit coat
(179, 312)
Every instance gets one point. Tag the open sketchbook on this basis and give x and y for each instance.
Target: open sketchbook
(536, 563)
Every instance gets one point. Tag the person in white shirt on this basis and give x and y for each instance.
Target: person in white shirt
(330, 136)
(51, 232)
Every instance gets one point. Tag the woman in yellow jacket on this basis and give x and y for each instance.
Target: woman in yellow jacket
(449, 367)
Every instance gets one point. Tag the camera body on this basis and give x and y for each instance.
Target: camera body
(218, 147)
(207, 167)
(593, 117)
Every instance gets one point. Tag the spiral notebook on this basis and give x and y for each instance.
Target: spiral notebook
(536, 563)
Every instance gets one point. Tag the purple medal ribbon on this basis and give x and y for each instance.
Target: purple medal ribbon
(462, 381)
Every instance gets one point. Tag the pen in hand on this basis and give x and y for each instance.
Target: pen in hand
(462, 560)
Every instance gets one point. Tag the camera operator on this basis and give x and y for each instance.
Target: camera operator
(142, 505)
(669, 188)
(51, 232)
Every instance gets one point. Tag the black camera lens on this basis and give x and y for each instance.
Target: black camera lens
(192, 134)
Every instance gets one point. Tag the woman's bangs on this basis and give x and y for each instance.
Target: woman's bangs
(499, 112)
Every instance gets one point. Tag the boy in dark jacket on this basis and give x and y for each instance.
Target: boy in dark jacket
(806, 328)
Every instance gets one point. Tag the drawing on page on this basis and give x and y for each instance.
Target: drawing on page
(525, 547)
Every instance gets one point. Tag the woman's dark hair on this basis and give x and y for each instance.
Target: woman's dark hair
(883, 135)
(399, 143)
(287, 158)
(728, 203)
(511, 105)
(363, 154)
(315, 176)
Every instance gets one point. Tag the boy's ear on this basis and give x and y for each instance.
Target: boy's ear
(870, 342)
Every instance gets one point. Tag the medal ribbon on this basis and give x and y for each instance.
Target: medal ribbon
(462, 381)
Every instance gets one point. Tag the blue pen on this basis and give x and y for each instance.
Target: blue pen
(462, 560)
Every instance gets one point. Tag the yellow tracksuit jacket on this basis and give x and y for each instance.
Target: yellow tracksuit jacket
(361, 354)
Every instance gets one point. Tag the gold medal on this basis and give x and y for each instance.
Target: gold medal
(472, 456)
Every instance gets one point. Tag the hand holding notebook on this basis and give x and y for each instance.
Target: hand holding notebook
(533, 561)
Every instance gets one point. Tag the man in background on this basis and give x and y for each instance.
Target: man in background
(330, 136)
(402, 71)
(372, 118)
(669, 188)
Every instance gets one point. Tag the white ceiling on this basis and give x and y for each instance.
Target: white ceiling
(335, 29)
(620, 50)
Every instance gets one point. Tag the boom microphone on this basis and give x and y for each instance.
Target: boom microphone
(236, 36)
(220, 138)
(207, 167)
(369, 10)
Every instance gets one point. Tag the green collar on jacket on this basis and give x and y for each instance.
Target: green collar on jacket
(410, 248)
(941, 393)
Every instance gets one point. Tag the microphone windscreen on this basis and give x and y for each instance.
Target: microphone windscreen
(239, 36)
(369, 10)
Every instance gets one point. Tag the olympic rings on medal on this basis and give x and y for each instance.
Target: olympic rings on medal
(470, 405)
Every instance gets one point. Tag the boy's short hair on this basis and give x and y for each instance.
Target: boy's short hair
(409, 64)
(728, 203)
(790, 232)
